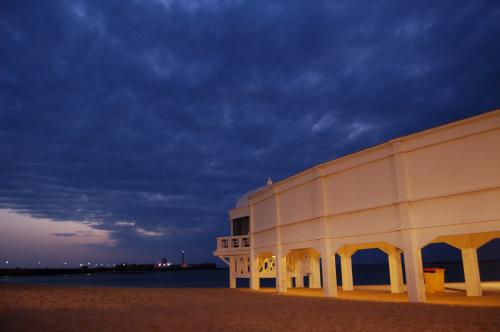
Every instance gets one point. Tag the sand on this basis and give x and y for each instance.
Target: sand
(43, 308)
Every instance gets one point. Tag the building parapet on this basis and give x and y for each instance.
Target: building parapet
(233, 245)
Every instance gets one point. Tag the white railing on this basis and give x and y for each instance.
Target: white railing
(233, 243)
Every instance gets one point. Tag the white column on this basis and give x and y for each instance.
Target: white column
(328, 270)
(299, 274)
(395, 271)
(346, 268)
(317, 272)
(280, 265)
(254, 271)
(413, 256)
(413, 267)
(471, 272)
(232, 272)
(314, 272)
(290, 274)
(254, 258)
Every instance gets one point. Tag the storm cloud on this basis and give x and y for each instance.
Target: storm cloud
(149, 118)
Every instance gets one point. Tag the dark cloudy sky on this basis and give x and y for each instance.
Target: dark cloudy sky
(129, 128)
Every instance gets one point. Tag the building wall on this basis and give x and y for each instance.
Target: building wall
(360, 187)
(459, 165)
(299, 203)
(447, 176)
(264, 216)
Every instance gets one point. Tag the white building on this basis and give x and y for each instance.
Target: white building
(438, 185)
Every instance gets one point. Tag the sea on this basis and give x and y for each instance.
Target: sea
(363, 274)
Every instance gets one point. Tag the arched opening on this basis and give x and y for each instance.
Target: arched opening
(303, 268)
(463, 263)
(444, 256)
(442, 267)
(267, 270)
(370, 267)
(370, 264)
(489, 260)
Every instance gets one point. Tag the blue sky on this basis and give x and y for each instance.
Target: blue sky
(141, 122)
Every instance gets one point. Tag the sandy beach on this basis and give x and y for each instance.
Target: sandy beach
(43, 308)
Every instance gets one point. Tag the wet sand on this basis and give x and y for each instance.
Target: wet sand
(43, 308)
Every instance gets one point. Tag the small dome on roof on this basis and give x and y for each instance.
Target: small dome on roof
(243, 201)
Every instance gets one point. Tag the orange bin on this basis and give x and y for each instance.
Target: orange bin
(434, 279)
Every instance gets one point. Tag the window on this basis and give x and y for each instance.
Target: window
(241, 226)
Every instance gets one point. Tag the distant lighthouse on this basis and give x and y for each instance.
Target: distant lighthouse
(183, 260)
